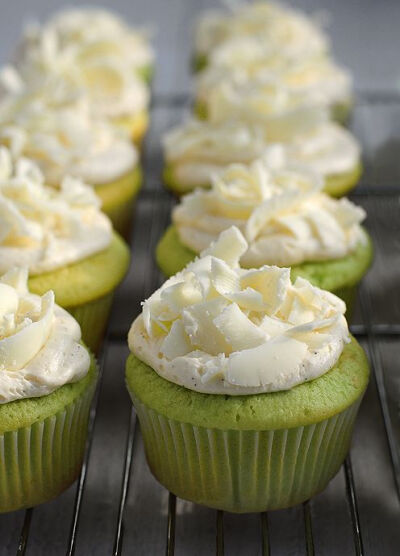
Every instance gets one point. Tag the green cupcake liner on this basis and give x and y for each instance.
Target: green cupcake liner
(243, 470)
(93, 318)
(38, 462)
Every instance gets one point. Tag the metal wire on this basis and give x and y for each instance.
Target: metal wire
(125, 484)
(265, 546)
(352, 500)
(376, 361)
(82, 476)
(220, 534)
(308, 529)
(23, 539)
(170, 549)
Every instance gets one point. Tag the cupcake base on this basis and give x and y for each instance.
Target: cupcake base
(43, 457)
(136, 125)
(249, 453)
(340, 112)
(339, 276)
(93, 318)
(336, 185)
(118, 200)
(86, 288)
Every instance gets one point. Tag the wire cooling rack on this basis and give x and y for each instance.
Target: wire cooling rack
(116, 507)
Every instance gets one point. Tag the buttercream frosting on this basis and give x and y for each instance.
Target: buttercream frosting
(220, 329)
(39, 342)
(43, 228)
(197, 149)
(92, 51)
(64, 139)
(278, 25)
(245, 63)
(281, 211)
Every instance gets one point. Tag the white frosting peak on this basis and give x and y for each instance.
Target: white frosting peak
(281, 211)
(43, 228)
(39, 342)
(220, 329)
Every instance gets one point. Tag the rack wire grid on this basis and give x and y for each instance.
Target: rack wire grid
(117, 507)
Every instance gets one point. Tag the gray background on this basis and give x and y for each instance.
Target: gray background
(365, 37)
(365, 34)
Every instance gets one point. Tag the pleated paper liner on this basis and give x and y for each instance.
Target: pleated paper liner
(242, 470)
(39, 461)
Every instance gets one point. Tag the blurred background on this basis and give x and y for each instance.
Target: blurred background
(365, 34)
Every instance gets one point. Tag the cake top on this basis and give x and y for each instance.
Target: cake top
(64, 139)
(283, 27)
(247, 62)
(92, 51)
(43, 228)
(218, 328)
(281, 211)
(39, 342)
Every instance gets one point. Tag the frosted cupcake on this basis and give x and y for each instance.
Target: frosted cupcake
(246, 385)
(286, 220)
(47, 381)
(94, 51)
(280, 27)
(68, 140)
(64, 240)
(196, 149)
(245, 62)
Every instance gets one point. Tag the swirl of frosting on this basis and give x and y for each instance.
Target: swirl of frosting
(221, 329)
(64, 139)
(268, 102)
(197, 149)
(43, 228)
(279, 26)
(281, 211)
(39, 342)
(92, 51)
(245, 60)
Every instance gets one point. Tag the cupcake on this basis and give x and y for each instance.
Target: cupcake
(64, 240)
(286, 219)
(65, 139)
(281, 28)
(248, 66)
(197, 149)
(246, 385)
(47, 381)
(95, 52)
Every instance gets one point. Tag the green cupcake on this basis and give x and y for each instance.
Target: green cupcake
(47, 381)
(65, 139)
(244, 75)
(65, 241)
(287, 220)
(198, 149)
(246, 385)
